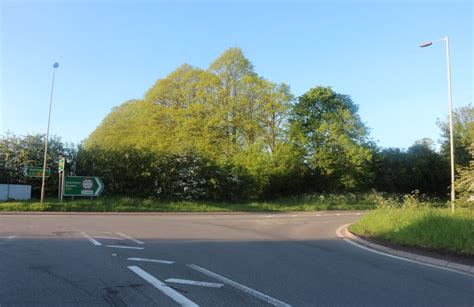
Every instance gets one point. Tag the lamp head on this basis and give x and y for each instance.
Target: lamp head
(55, 65)
(426, 44)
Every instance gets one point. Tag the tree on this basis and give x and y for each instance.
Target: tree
(418, 168)
(463, 135)
(225, 114)
(335, 141)
(18, 152)
(427, 170)
(465, 182)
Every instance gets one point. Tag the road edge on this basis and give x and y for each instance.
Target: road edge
(164, 213)
(343, 232)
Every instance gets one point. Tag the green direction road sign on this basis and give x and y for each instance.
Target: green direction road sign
(61, 164)
(82, 186)
(36, 171)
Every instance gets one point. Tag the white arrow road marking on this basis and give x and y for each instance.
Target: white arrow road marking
(177, 297)
(241, 287)
(130, 238)
(150, 260)
(195, 283)
(123, 246)
(91, 239)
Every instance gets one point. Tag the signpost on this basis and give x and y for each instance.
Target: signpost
(36, 171)
(82, 186)
(61, 166)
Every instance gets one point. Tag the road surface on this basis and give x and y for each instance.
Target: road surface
(291, 259)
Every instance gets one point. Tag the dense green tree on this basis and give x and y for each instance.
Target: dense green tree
(465, 182)
(418, 168)
(144, 173)
(335, 141)
(463, 135)
(18, 152)
(226, 114)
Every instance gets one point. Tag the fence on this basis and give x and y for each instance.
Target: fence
(15, 191)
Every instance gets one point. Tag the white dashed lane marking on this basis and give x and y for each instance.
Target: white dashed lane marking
(91, 239)
(177, 297)
(130, 238)
(194, 283)
(150, 260)
(123, 246)
(108, 238)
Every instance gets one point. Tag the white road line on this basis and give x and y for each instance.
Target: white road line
(91, 239)
(11, 237)
(130, 238)
(150, 260)
(241, 287)
(318, 214)
(177, 297)
(194, 283)
(109, 238)
(294, 215)
(123, 246)
(339, 234)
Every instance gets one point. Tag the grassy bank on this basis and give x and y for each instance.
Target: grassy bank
(127, 204)
(425, 227)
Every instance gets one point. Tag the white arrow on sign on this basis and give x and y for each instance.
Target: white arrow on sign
(100, 186)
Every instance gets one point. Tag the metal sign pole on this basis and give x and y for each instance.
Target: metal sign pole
(59, 186)
(62, 187)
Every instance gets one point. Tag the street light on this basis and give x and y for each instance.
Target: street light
(55, 65)
(451, 141)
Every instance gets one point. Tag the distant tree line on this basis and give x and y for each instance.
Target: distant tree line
(226, 133)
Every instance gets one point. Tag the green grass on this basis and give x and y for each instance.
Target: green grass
(425, 227)
(127, 204)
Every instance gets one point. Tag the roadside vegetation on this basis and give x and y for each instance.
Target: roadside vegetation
(126, 204)
(418, 222)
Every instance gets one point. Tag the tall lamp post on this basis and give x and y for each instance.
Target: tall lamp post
(55, 65)
(451, 141)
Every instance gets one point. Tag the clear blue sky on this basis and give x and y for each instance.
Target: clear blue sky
(112, 51)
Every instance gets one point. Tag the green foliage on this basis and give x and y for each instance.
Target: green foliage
(463, 135)
(226, 115)
(226, 133)
(413, 200)
(326, 126)
(144, 173)
(427, 228)
(465, 183)
(419, 168)
(18, 152)
(134, 204)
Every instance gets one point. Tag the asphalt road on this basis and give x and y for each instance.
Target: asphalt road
(208, 260)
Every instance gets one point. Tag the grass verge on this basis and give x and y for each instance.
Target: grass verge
(426, 228)
(127, 204)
